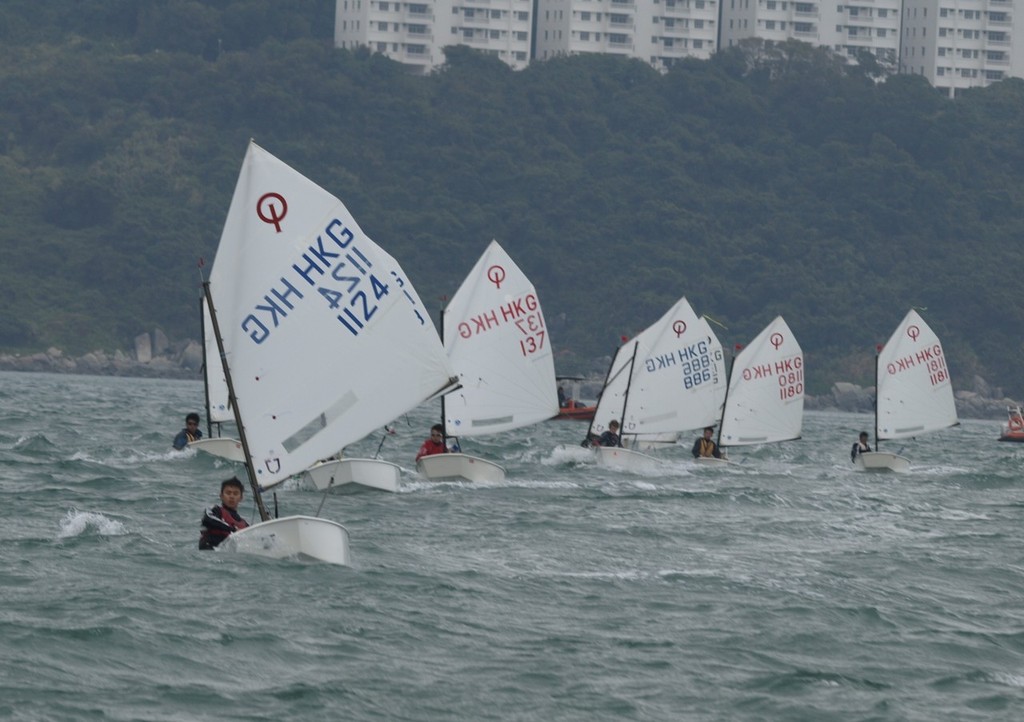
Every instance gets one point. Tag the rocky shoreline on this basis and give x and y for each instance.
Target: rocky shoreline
(155, 357)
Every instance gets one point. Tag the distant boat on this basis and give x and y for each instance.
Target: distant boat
(497, 341)
(669, 379)
(323, 339)
(764, 403)
(218, 410)
(914, 392)
(1014, 428)
(573, 409)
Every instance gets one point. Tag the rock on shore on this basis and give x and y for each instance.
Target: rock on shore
(153, 357)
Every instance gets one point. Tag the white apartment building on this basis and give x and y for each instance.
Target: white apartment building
(958, 44)
(415, 33)
(955, 44)
(872, 25)
(655, 31)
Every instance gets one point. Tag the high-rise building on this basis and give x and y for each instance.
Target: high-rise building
(958, 44)
(847, 29)
(656, 32)
(415, 33)
(955, 44)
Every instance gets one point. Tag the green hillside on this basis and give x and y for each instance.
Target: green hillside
(765, 182)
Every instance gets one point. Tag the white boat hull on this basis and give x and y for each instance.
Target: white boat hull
(711, 461)
(459, 467)
(615, 457)
(881, 461)
(350, 474)
(306, 538)
(225, 448)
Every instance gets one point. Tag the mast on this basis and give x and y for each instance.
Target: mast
(607, 375)
(625, 394)
(725, 401)
(878, 353)
(444, 425)
(250, 469)
(206, 382)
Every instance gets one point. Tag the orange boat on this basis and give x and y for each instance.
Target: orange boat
(576, 412)
(1014, 428)
(568, 406)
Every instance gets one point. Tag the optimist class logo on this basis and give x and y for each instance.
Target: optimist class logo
(496, 274)
(271, 209)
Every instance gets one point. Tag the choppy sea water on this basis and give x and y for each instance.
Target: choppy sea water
(787, 586)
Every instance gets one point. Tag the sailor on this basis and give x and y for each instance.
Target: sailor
(611, 436)
(860, 446)
(190, 433)
(705, 446)
(433, 445)
(220, 521)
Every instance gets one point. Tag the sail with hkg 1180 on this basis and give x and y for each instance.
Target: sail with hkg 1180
(323, 339)
(914, 392)
(764, 403)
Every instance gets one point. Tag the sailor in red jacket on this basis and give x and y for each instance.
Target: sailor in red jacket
(220, 521)
(433, 445)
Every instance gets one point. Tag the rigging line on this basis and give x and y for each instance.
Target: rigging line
(716, 322)
(387, 432)
(323, 500)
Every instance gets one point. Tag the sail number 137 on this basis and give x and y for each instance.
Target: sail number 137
(531, 327)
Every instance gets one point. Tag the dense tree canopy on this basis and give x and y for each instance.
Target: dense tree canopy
(769, 180)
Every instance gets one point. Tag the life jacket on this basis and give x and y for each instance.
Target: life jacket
(707, 447)
(213, 537)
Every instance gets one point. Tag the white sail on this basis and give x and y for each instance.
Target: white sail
(915, 394)
(678, 378)
(611, 401)
(765, 402)
(675, 383)
(325, 337)
(217, 406)
(498, 344)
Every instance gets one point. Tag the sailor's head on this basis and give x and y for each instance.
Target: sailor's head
(708, 431)
(231, 491)
(613, 425)
(192, 419)
(234, 483)
(863, 436)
